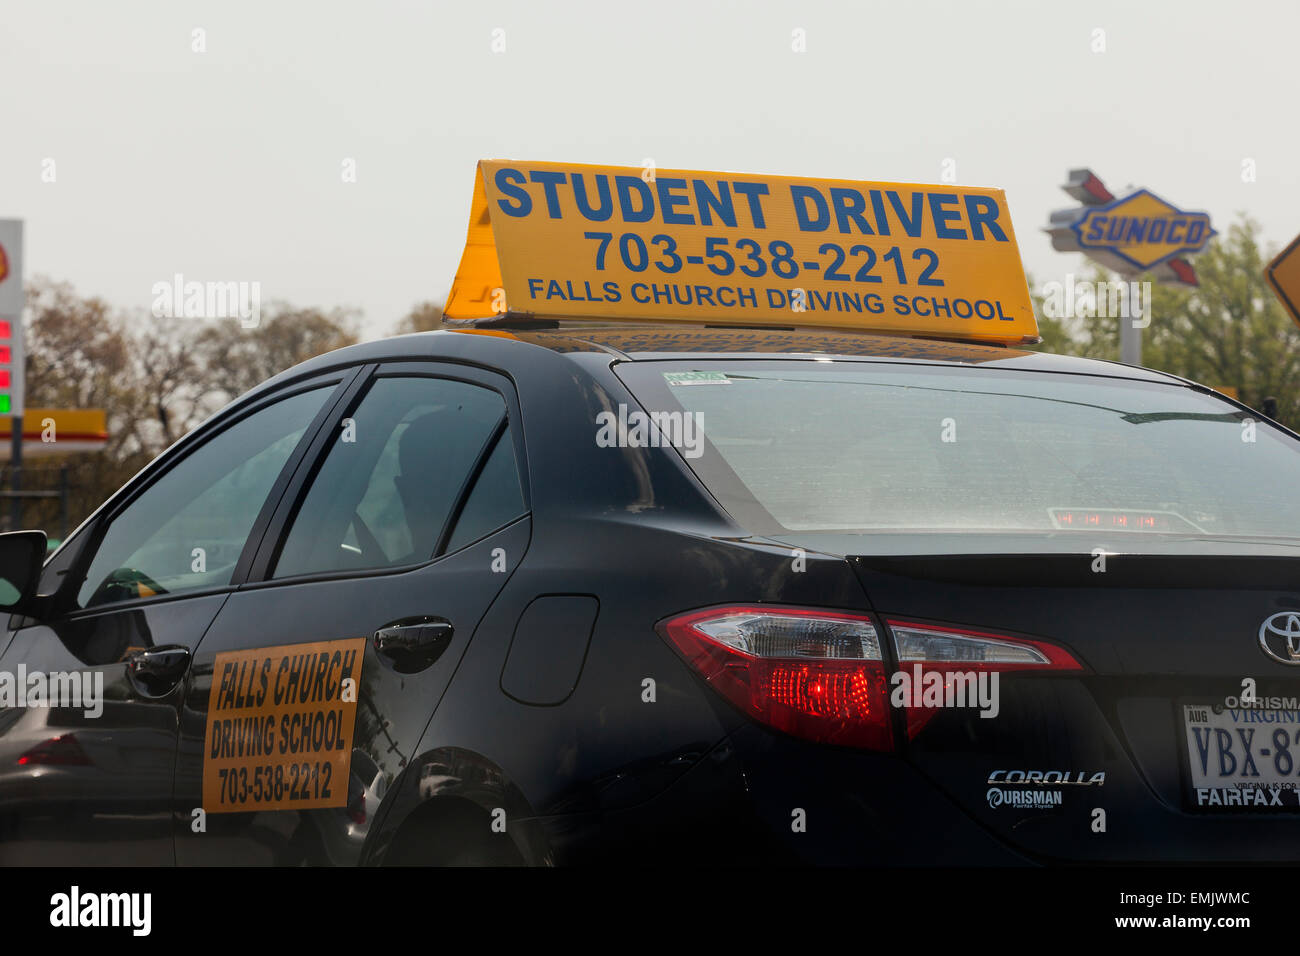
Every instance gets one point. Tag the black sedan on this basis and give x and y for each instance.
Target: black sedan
(652, 593)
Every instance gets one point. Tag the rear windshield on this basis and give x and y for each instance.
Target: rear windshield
(821, 446)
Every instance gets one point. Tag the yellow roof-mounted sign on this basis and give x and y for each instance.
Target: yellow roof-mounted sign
(555, 240)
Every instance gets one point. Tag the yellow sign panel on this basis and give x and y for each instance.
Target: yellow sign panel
(557, 240)
(279, 727)
(60, 424)
(56, 431)
(1283, 274)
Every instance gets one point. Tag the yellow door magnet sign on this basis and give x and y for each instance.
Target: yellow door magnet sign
(279, 727)
(566, 241)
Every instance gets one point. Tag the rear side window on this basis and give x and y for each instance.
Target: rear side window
(813, 445)
(390, 482)
(496, 498)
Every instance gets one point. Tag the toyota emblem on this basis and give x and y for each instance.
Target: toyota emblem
(1279, 636)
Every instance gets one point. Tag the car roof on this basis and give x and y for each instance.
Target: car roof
(650, 342)
(655, 342)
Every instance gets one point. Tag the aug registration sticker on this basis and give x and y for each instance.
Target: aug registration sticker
(279, 727)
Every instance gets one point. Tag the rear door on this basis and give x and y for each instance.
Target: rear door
(319, 675)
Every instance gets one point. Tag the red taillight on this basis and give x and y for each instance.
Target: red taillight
(925, 649)
(820, 675)
(812, 674)
(63, 750)
(357, 809)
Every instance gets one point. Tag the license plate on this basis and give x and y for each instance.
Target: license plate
(1245, 758)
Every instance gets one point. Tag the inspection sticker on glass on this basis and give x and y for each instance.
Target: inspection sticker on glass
(696, 378)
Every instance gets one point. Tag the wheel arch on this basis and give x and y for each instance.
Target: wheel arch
(449, 801)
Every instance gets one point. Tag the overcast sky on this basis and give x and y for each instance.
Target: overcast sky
(227, 164)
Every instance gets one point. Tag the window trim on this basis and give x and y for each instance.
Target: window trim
(467, 487)
(291, 500)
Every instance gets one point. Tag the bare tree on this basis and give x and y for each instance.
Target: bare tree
(423, 317)
(155, 377)
(232, 359)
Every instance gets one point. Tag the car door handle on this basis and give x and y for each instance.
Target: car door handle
(413, 644)
(155, 671)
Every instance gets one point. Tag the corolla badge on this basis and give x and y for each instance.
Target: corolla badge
(1279, 636)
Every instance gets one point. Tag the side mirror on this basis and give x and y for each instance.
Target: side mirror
(22, 553)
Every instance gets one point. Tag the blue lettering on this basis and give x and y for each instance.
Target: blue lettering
(506, 178)
(550, 181)
(709, 203)
(942, 216)
(752, 192)
(606, 208)
(626, 186)
(668, 201)
(912, 225)
(800, 196)
(878, 207)
(1202, 735)
(983, 211)
(849, 205)
(1227, 762)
